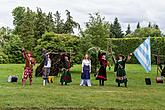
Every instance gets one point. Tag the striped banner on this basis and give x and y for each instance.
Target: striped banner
(143, 54)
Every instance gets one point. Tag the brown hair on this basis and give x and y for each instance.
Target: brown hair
(85, 55)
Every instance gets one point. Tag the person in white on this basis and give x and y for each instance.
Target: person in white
(86, 70)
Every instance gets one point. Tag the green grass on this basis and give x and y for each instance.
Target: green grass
(138, 95)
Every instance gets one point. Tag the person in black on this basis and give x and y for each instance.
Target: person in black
(119, 69)
(102, 76)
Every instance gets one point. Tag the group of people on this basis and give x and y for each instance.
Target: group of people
(119, 69)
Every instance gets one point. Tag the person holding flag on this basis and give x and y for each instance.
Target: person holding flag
(119, 69)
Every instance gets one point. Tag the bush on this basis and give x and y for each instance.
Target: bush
(58, 43)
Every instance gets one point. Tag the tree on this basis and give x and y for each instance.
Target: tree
(13, 48)
(50, 26)
(40, 23)
(70, 24)
(97, 29)
(138, 25)
(146, 31)
(116, 29)
(156, 26)
(59, 23)
(58, 42)
(5, 33)
(18, 14)
(24, 26)
(128, 31)
(149, 25)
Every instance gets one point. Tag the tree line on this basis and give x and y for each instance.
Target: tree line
(34, 30)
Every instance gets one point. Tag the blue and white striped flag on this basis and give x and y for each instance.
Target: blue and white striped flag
(143, 54)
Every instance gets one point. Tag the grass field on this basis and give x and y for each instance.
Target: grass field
(138, 95)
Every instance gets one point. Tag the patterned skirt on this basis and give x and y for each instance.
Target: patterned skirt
(66, 77)
(102, 74)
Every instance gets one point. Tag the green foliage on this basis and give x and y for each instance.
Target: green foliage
(59, 23)
(3, 56)
(57, 43)
(70, 24)
(128, 31)
(24, 26)
(116, 30)
(12, 49)
(97, 31)
(146, 31)
(128, 45)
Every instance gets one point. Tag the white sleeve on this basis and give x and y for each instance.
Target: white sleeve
(90, 65)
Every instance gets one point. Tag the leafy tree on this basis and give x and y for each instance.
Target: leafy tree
(116, 29)
(24, 26)
(146, 31)
(128, 31)
(50, 23)
(59, 23)
(5, 34)
(40, 23)
(13, 48)
(3, 56)
(70, 24)
(18, 15)
(97, 29)
(58, 42)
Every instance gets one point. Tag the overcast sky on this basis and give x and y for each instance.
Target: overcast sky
(127, 11)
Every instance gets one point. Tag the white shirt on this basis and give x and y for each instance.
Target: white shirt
(48, 63)
(86, 62)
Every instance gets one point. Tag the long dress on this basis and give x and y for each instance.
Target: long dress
(66, 75)
(102, 71)
(85, 76)
(120, 71)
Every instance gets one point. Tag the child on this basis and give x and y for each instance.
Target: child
(86, 69)
(28, 70)
(66, 75)
(120, 69)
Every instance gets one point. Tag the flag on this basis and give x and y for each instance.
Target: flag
(143, 54)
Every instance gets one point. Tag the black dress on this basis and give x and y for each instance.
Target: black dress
(102, 71)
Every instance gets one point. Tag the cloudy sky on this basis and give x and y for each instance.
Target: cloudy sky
(127, 11)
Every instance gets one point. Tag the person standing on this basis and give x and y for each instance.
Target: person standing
(28, 70)
(86, 70)
(102, 76)
(47, 66)
(66, 75)
(119, 69)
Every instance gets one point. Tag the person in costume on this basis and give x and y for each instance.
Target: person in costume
(119, 69)
(66, 75)
(86, 69)
(102, 76)
(28, 70)
(47, 66)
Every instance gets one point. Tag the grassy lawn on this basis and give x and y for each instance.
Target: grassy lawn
(138, 95)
